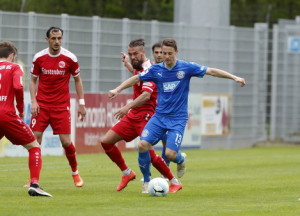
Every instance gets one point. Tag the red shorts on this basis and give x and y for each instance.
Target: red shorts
(16, 131)
(128, 128)
(59, 119)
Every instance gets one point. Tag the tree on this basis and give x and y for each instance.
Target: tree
(248, 12)
(161, 10)
(243, 12)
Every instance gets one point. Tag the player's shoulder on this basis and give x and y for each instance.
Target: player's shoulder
(68, 54)
(13, 65)
(184, 63)
(40, 54)
(187, 64)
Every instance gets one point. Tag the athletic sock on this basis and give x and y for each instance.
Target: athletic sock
(35, 164)
(144, 163)
(174, 181)
(179, 158)
(115, 155)
(126, 172)
(160, 165)
(70, 152)
(163, 155)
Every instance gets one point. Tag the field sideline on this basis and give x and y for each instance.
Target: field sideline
(238, 182)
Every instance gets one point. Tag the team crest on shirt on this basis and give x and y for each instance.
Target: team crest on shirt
(145, 133)
(62, 64)
(180, 74)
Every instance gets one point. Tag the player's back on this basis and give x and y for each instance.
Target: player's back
(10, 84)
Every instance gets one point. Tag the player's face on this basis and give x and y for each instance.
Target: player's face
(157, 54)
(54, 42)
(169, 56)
(137, 57)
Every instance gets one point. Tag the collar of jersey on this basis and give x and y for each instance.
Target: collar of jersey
(56, 54)
(171, 67)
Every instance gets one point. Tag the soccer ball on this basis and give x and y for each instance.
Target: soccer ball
(158, 187)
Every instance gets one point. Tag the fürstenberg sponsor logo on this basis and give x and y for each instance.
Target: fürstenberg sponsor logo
(53, 72)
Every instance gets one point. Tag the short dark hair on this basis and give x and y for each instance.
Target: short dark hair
(137, 42)
(7, 48)
(54, 29)
(170, 42)
(157, 44)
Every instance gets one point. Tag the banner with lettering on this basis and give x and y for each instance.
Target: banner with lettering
(99, 119)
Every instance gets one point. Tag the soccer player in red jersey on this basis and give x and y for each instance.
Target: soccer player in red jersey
(133, 117)
(11, 124)
(49, 89)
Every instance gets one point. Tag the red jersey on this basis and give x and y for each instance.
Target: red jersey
(54, 73)
(147, 109)
(11, 88)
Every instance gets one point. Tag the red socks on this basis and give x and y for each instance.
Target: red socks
(160, 165)
(71, 156)
(35, 164)
(115, 155)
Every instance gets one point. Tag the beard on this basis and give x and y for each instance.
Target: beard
(137, 65)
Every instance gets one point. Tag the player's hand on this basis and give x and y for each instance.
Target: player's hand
(35, 109)
(21, 115)
(124, 58)
(121, 112)
(241, 81)
(81, 112)
(113, 93)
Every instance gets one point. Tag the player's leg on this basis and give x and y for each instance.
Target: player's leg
(174, 140)
(160, 164)
(151, 134)
(172, 153)
(112, 151)
(144, 161)
(38, 124)
(123, 130)
(70, 152)
(163, 152)
(156, 160)
(60, 121)
(35, 166)
(18, 133)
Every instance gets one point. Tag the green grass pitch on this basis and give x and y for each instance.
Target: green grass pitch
(237, 182)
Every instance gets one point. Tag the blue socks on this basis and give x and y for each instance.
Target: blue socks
(179, 158)
(144, 163)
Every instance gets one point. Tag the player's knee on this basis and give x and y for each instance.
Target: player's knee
(32, 145)
(170, 154)
(144, 146)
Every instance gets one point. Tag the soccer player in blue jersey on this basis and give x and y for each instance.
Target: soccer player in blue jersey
(172, 78)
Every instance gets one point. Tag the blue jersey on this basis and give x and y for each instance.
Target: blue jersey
(173, 86)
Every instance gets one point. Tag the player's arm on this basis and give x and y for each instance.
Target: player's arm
(224, 74)
(140, 100)
(126, 84)
(19, 90)
(35, 108)
(125, 60)
(80, 93)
